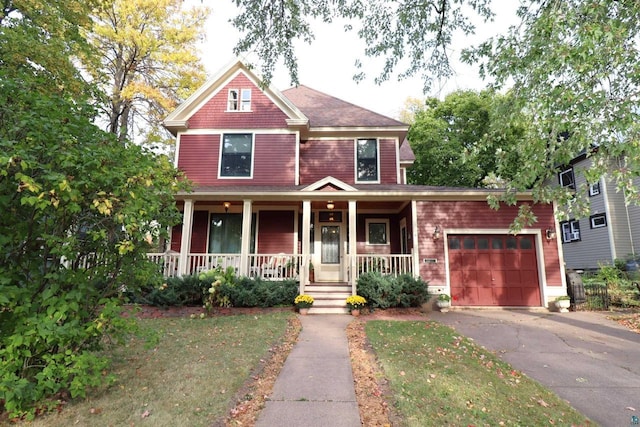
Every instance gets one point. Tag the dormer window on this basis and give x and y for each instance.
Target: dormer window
(239, 100)
(367, 165)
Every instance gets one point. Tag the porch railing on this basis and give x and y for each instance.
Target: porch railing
(392, 264)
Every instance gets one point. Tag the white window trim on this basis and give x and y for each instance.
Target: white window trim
(571, 230)
(253, 155)
(384, 221)
(596, 218)
(594, 189)
(242, 101)
(355, 161)
(239, 100)
(230, 99)
(567, 172)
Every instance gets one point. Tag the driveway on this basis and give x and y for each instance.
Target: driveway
(585, 358)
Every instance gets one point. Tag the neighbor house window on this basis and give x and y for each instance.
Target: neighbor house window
(377, 231)
(236, 155)
(594, 189)
(367, 160)
(570, 231)
(598, 220)
(239, 100)
(567, 179)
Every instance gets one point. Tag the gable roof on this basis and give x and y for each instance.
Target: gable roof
(178, 119)
(327, 111)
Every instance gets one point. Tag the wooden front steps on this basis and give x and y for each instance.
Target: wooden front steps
(329, 297)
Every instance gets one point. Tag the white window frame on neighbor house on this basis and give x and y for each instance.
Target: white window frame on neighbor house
(570, 231)
(385, 222)
(357, 161)
(567, 173)
(221, 163)
(239, 100)
(598, 220)
(594, 189)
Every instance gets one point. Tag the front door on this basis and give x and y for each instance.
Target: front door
(329, 267)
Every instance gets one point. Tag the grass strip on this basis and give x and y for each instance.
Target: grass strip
(191, 377)
(438, 377)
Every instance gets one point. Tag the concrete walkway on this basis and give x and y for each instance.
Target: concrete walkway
(315, 387)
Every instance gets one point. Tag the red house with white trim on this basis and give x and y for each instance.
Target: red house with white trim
(288, 180)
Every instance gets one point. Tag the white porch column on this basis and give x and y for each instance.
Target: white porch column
(185, 242)
(353, 265)
(245, 245)
(415, 251)
(306, 246)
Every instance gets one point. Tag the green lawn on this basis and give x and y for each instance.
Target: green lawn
(189, 378)
(438, 377)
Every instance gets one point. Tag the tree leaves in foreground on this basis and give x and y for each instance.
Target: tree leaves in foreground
(455, 144)
(77, 209)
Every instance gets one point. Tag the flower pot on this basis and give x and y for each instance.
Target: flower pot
(355, 312)
(563, 305)
(443, 305)
(304, 311)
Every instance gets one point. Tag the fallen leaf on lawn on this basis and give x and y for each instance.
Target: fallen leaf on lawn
(145, 414)
(543, 403)
(402, 373)
(432, 375)
(95, 410)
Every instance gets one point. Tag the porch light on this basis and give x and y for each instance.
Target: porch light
(330, 205)
(436, 233)
(226, 205)
(551, 234)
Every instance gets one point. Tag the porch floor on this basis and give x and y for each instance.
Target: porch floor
(329, 297)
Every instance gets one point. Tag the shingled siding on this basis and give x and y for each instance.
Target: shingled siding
(275, 232)
(214, 115)
(273, 163)
(322, 158)
(476, 215)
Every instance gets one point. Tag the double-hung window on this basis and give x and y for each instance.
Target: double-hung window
(239, 100)
(367, 160)
(377, 231)
(570, 231)
(236, 155)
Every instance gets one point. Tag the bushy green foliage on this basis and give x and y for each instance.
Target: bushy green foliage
(76, 210)
(250, 292)
(386, 291)
(172, 292)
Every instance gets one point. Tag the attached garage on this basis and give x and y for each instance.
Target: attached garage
(494, 270)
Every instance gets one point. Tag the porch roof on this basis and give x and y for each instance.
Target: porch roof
(381, 192)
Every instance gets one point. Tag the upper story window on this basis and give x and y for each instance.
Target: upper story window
(594, 189)
(239, 100)
(236, 155)
(570, 231)
(367, 160)
(598, 220)
(567, 178)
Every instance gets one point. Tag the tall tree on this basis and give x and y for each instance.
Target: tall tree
(571, 64)
(148, 62)
(454, 142)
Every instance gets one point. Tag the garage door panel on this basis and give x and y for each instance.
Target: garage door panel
(494, 270)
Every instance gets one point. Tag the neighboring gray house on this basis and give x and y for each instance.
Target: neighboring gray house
(612, 231)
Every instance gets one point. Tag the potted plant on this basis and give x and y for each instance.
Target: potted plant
(355, 303)
(563, 303)
(303, 303)
(443, 302)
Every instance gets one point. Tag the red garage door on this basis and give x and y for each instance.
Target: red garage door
(488, 270)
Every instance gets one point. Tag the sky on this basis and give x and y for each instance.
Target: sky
(328, 64)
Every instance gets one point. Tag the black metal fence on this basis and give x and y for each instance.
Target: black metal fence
(596, 297)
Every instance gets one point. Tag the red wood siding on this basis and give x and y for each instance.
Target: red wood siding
(388, 163)
(274, 160)
(263, 114)
(322, 158)
(275, 232)
(199, 230)
(476, 215)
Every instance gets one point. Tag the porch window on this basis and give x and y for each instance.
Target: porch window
(367, 160)
(570, 231)
(236, 155)
(377, 231)
(225, 233)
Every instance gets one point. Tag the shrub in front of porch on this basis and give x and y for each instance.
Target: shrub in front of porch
(386, 291)
(255, 292)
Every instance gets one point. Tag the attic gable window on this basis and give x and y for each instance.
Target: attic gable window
(236, 155)
(367, 160)
(239, 100)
